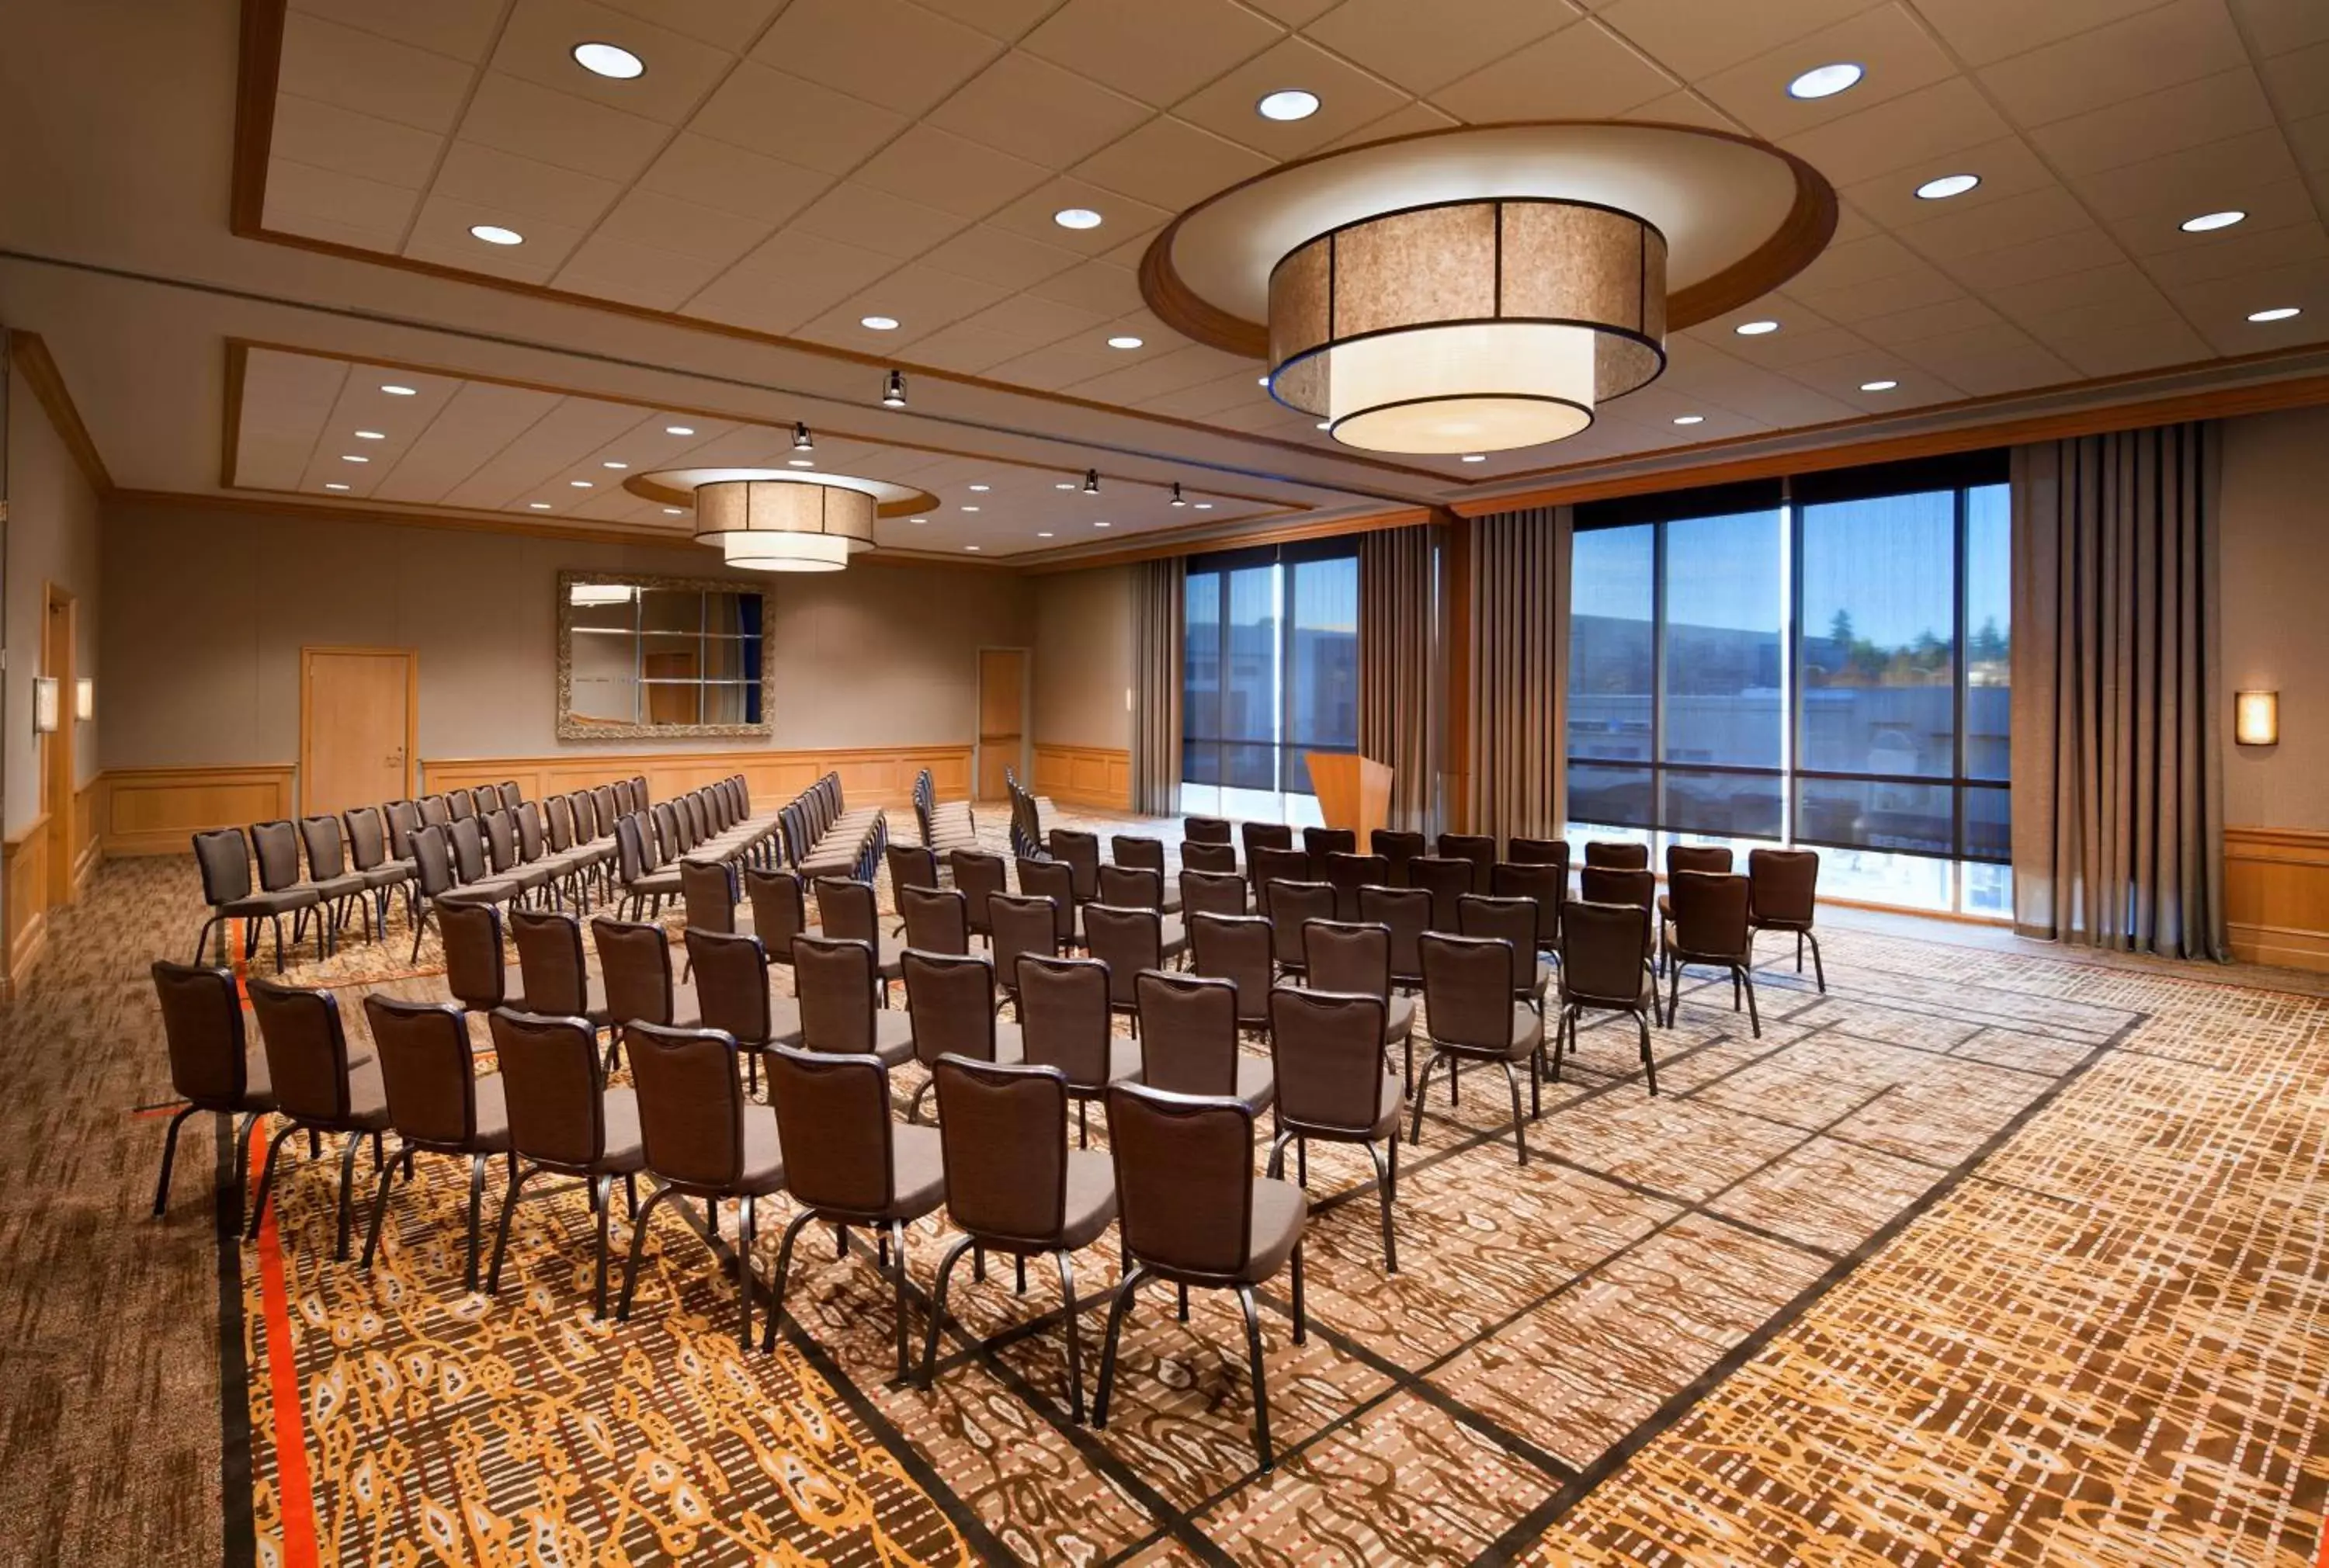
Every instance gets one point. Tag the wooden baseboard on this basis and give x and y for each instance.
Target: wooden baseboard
(1094, 776)
(2277, 896)
(156, 810)
(870, 776)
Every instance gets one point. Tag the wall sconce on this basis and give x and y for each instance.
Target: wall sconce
(85, 698)
(2256, 717)
(44, 704)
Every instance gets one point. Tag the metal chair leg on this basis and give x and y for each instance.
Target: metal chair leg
(169, 1155)
(1124, 1290)
(1520, 1138)
(380, 1213)
(747, 1231)
(1386, 1185)
(1740, 976)
(1068, 1328)
(1649, 1062)
(502, 1228)
(631, 1263)
(1260, 1383)
(1415, 1131)
(777, 1285)
(347, 1198)
(604, 1185)
(897, 1283)
(1819, 969)
(937, 1308)
(267, 1178)
(1301, 1312)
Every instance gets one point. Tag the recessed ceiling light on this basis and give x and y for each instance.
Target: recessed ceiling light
(371, 436)
(970, 509)
(800, 463)
(1099, 525)
(1755, 329)
(674, 512)
(970, 546)
(2277, 312)
(878, 323)
(1878, 386)
(920, 520)
(1064, 484)
(2206, 222)
(495, 234)
(333, 484)
(679, 429)
(1261, 380)
(1287, 103)
(579, 484)
(1042, 535)
(1204, 506)
(1825, 80)
(611, 464)
(353, 457)
(394, 390)
(1325, 424)
(1124, 341)
(1075, 218)
(1476, 457)
(539, 505)
(1690, 419)
(1946, 186)
(609, 59)
(982, 489)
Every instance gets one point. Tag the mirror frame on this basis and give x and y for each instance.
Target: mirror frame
(568, 729)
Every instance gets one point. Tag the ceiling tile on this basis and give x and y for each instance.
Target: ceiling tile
(2242, 253)
(790, 278)
(1128, 222)
(2034, 215)
(1003, 19)
(2280, 25)
(1898, 54)
(327, 136)
(2079, 250)
(733, 179)
(1032, 110)
(1348, 98)
(1408, 120)
(1920, 285)
(795, 119)
(966, 349)
(636, 274)
(477, 421)
(668, 223)
(2189, 116)
(2308, 139)
(1581, 73)
(1989, 360)
(1928, 321)
(884, 51)
(2157, 229)
(1907, 132)
(997, 256)
(1981, 31)
(1685, 107)
(1157, 53)
(1292, 13)
(2219, 307)
(936, 169)
(462, 29)
(1694, 40)
(2153, 49)
(1156, 375)
(522, 188)
(348, 201)
(557, 127)
(2115, 340)
(1098, 286)
(1170, 165)
(888, 225)
(2298, 81)
(2006, 166)
(440, 233)
(2120, 287)
(920, 299)
(371, 75)
(1207, 398)
(1846, 265)
(1422, 48)
(537, 44)
(279, 216)
(1035, 322)
(729, 25)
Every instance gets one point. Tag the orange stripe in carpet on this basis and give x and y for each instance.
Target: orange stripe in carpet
(294, 1492)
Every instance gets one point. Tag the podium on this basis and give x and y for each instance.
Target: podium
(1353, 792)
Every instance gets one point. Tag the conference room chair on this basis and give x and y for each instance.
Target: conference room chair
(1138, 852)
(1291, 907)
(1398, 847)
(1241, 949)
(505, 857)
(1353, 958)
(1406, 914)
(1346, 874)
(276, 847)
(1206, 830)
(1783, 895)
(1326, 1057)
(479, 974)
(950, 1003)
(1617, 854)
(1014, 1186)
(319, 1088)
(846, 909)
(834, 980)
(1524, 852)
(1065, 1022)
(1605, 954)
(1545, 882)
(1468, 1006)
(400, 817)
(635, 963)
(436, 810)
(1708, 929)
(474, 879)
(213, 1067)
(1715, 857)
(1024, 925)
(644, 881)
(369, 857)
(1191, 1213)
(1478, 848)
(848, 1162)
(1447, 879)
(553, 979)
(1199, 856)
(1212, 893)
(708, 895)
(1267, 864)
(912, 865)
(1130, 941)
(1052, 880)
(564, 1121)
(701, 1137)
(224, 857)
(1264, 836)
(1513, 920)
(780, 912)
(534, 860)
(1320, 842)
(936, 919)
(733, 994)
(435, 1101)
(978, 877)
(460, 804)
(1133, 888)
(1189, 1037)
(489, 798)
(1636, 888)
(1079, 852)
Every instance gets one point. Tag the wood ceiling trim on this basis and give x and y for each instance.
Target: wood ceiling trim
(29, 352)
(1085, 558)
(258, 66)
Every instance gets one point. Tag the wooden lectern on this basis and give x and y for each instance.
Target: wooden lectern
(1353, 792)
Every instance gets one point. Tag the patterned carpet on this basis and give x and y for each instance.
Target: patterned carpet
(1979, 1258)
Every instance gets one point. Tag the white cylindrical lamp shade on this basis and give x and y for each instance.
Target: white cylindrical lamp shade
(780, 525)
(755, 550)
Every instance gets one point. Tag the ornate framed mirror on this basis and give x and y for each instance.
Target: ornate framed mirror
(643, 657)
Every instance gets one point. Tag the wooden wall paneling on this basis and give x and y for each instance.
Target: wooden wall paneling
(156, 810)
(24, 866)
(882, 776)
(1084, 775)
(89, 845)
(2277, 896)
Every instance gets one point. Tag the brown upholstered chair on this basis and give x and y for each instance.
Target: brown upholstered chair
(846, 911)
(1264, 836)
(275, 847)
(212, 1066)
(708, 894)
(1398, 847)
(1468, 982)
(553, 979)
(1516, 921)
(978, 877)
(369, 857)
(1406, 914)
(1241, 949)
(1078, 851)
(645, 882)
(436, 810)
(1137, 852)
(1520, 852)
(223, 856)
(1022, 925)
(1188, 1038)
(1353, 957)
(435, 1101)
(1013, 1184)
(563, 1120)
(1447, 879)
(1617, 854)
(1544, 881)
(1053, 880)
(1685, 858)
(1478, 848)
(1267, 866)
(319, 1086)
(1291, 907)
(702, 1138)
(1327, 1056)
(1709, 911)
(950, 1003)
(635, 961)
(735, 995)
(506, 856)
(1605, 954)
(477, 970)
(1129, 941)
(938, 919)
(834, 977)
(1140, 887)
(1205, 830)
(780, 912)
(1321, 842)
(848, 1162)
(1192, 1212)
(912, 865)
(1197, 855)
(1212, 893)
(342, 890)
(1636, 888)
(477, 883)
(1346, 874)
(1065, 1022)
(1783, 895)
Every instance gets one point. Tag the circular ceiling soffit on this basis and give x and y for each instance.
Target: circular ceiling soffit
(677, 487)
(1740, 216)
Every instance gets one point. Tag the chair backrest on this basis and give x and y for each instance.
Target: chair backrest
(834, 978)
(1212, 893)
(1697, 858)
(436, 810)
(1520, 851)
(1237, 948)
(1346, 874)
(1478, 848)
(489, 798)
(1005, 1130)
(1054, 880)
(1132, 887)
(1138, 853)
(276, 845)
(558, 816)
(1468, 990)
(428, 1067)
(1326, 1057)
(307, 1049)
(607, 806)
(223, 856)
(467, 842)
(1021, 924)
(1618, 854)
(1064, 1016)
(671, 837)
(1184, 1177)
(555, 1086)
(1188, 1031)
(707, 891)
(845, 908)
(730, 971)
(1615, 885)
(1784, 884)
(1265, 836)
(476, 963)
(1079, 852)
(912, 865)
(1399, 847)
(1206, 830)
(691, 1105)
(460, 805)
(367, 838)
(403, 817)
(938, 919)
(432, 861)
(978, 877)
(584, 808)
(635, 964)
(532, 841)
(1447, 879)
(1351, 956)
(501, 841)
(1542, 880)
(833, 1121)
(778, 914)
(634, 853)
(1510, 920)
(950, 998)
(1709, 914)
(1265, 866)
(202, 1023)
(550, 964)
(321, 838)
(1320, 842)
(1603, 949)
(512, 795)
(696, 817)
(1291, 907)
(1128, 941)
(1197, 855)
(1406, 914)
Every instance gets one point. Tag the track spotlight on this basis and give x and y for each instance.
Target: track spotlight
(1176, 494)
(803, 441)
(893, 392)
(1091, 481)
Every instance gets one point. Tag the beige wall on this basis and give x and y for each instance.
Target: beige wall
(1083, 658)
(2275, 534)
(52, 537)
(212, 607)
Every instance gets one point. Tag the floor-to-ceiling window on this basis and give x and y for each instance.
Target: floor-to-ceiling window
(1270, 674)
(1822, 661)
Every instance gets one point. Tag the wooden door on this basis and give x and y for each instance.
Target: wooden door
(359, 709)
(1002, 719)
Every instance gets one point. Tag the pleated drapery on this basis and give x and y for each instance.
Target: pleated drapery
(1156, 659)
(1402, 667)
(2118, 777)
(1519, 599)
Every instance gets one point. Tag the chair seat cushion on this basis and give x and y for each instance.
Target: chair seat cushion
(916, 1173)
(388, 874)
(594, 998)
(624, 1150)
(367, 1096)
(764, 1158)
(1389, 1102)
(784, 1019)
(1528, 1032)
(1399, 1019)
(258, 1088)
(1279, 1209)
(492, 890)
(893, 1035)
(345, 886)
(1257, 1084)
(493, 1115)
(280, 903)
(1091, 1197)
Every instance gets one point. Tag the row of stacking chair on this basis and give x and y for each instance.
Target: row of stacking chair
(943, 826)
(823, 836)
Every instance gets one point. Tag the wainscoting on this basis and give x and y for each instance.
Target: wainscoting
(1084, 775)
(156, 811)
(2277, 896)
(25, 869)
(882, 777)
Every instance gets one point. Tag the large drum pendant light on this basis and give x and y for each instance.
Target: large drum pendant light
(781, 526)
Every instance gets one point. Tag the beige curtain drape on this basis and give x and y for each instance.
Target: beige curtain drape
(1402, 667)
(1157, 635)
(2117, 778)
(1519, 596)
